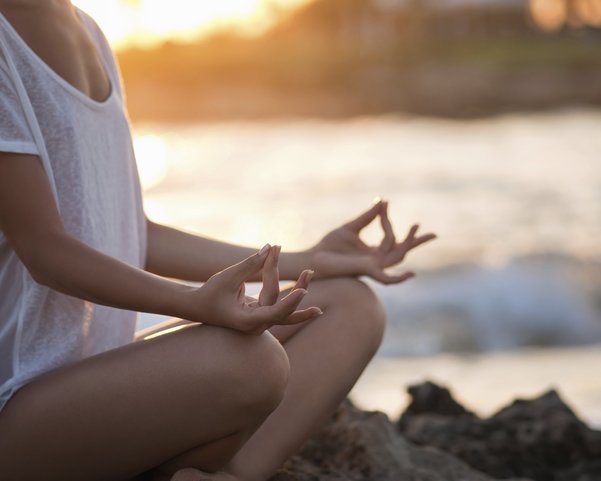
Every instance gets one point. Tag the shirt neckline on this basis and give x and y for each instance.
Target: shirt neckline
(60, 80)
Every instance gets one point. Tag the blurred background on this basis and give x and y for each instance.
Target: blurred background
(276, 120)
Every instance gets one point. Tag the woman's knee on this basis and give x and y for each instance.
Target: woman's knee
(264, 370)
(364, 310)
(256, 368)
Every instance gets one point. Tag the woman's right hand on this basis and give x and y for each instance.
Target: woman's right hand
(222, 300)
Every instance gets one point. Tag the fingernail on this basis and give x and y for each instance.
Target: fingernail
(310, 274)
(302, 291)
(264, 249)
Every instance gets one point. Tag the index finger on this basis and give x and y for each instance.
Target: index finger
(243, 270)
(364, 219)
(389, 239)
(271, 279)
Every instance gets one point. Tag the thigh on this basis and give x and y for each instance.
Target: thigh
(165, 327)
(331, 293)
(119, 413)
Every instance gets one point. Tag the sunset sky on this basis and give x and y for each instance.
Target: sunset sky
(147, 22)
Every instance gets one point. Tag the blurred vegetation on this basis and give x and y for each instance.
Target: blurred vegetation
(335, 58)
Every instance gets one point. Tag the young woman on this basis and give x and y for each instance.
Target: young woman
(229, 391)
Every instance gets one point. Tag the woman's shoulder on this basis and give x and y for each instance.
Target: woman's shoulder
(93, 27)
(103, 45)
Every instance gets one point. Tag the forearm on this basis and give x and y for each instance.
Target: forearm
(74, 268)
(176, 254)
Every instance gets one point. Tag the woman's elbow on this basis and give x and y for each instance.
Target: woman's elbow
(44, 258)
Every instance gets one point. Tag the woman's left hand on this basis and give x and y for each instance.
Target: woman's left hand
(342, 252)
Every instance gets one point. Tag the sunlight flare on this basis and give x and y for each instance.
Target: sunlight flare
(149, 22)
(152, 160)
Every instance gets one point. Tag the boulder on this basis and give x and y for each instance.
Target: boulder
(541, 439)
(356, 445)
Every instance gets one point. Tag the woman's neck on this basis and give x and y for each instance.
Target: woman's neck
(45, 4)
(25, 10)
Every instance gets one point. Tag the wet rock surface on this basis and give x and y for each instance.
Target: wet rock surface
(540, 438)
(437, 439)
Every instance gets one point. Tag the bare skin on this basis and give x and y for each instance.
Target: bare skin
(228, 397)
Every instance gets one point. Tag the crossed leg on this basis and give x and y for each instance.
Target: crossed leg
(203, 397)
(115, 415)
(326, 355)
(326, 358)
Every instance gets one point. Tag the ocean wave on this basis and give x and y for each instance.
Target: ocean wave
(539, 300)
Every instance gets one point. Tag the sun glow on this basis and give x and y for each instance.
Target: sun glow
(148, 22)
(151, 157)
(552, 15)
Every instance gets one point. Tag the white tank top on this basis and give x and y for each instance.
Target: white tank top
(86, 149)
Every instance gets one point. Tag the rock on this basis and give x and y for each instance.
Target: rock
(437, 439)
(358, 445)
(540, 439)
(432, 399)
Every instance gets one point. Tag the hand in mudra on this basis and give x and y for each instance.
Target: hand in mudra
(342, 252)
(222, 300)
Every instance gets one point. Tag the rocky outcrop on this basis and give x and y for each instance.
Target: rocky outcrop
(357, 445)
(437, 439)
(540, 439)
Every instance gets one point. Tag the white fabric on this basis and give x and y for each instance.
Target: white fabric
(86, 150)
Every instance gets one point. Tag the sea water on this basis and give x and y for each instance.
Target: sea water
(515, 201)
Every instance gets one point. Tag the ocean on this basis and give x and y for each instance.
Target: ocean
(514, 279)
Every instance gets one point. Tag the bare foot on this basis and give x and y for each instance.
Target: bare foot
(191, 474)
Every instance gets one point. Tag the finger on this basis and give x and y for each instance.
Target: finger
(271, 278)
(304, 279)
(302, 316)
(385, 278)
(280, 310)
(389, 240)
(364, 219)
(243, 270)
(411, 235)
(422, 240)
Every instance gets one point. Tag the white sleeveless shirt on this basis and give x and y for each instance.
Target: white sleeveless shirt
(86, 149)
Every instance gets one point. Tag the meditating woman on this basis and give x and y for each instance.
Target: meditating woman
(228, 391)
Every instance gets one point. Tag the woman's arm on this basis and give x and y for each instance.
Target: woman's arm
(30, 221)
(179, 255)
(340, 253)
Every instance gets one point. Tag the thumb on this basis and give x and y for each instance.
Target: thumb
(381, 276)
(240, 272)
(191, 474)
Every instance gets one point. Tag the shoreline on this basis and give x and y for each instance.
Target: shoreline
(485, 382)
